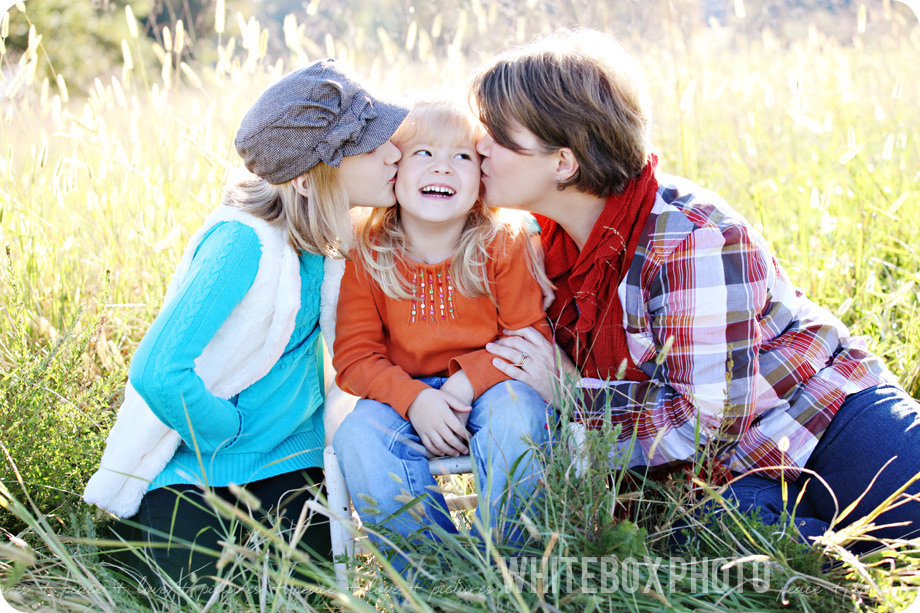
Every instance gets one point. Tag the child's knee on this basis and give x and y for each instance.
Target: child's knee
(351, 435)
(508, 395)
(360, 427)
(523, 392)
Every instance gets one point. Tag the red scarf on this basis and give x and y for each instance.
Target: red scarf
(587, 314)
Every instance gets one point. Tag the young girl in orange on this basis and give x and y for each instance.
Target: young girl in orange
(433, 281)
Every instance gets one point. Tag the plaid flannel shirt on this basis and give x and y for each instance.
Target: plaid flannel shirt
(755, 369)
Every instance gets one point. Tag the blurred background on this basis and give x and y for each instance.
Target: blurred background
(87, 34)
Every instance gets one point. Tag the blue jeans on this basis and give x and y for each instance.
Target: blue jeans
(870, 428)
(385, 465)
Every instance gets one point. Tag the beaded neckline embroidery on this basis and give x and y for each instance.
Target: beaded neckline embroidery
(432, 295)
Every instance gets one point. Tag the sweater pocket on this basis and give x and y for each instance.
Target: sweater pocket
(277, 407)
(215, 435)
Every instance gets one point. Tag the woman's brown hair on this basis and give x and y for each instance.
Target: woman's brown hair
(578, 89)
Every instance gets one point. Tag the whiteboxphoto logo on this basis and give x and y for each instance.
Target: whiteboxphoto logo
(608, 574)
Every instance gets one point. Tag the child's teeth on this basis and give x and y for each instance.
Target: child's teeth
(438, 190)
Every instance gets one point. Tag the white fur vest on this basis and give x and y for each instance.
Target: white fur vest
(243, 350)
(338, 404)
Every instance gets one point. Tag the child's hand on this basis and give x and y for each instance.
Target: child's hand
(463, 417)
(433, 416)
(459, 386)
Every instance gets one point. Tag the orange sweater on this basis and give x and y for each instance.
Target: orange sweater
(382, 345)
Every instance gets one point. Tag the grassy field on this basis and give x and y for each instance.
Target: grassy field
(808, 126)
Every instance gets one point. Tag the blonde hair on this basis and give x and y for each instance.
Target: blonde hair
(316, 223)
(578, 89)
(382, 241)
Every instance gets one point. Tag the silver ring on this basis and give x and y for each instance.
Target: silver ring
(524, 357)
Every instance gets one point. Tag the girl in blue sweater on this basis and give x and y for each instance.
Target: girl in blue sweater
(226, 386)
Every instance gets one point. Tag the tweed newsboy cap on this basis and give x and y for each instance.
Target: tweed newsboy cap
(317, 114)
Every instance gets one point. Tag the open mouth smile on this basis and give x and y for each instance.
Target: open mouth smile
(437, 191)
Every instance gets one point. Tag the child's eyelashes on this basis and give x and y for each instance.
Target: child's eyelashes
(463, 155)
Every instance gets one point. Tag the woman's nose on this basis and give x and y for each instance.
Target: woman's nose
(392, 153)
(484, 146)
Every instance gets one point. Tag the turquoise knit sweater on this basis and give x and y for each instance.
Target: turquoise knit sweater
(272, 427)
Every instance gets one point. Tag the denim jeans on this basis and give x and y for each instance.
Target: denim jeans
(385, 464)
(178, 514)
(870, 428)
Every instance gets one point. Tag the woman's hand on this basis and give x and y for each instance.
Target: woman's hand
(432, 414)
(529, 358)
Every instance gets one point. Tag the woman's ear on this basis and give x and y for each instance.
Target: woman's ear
(302, 185)
(566, 164)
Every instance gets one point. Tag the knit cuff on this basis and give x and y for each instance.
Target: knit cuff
(479, 370)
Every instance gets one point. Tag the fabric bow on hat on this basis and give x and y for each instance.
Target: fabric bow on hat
(319, 114)
(347, 131)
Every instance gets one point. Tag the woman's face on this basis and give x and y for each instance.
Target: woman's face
(516, 179)
(369, 177)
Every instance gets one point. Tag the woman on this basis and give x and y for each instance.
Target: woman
(649, 265)
(226, 386)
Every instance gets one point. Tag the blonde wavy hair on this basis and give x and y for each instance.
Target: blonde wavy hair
(382, 241)
(316, 223)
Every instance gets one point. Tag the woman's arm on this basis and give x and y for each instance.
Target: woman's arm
(163, 368)
(703, 304)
